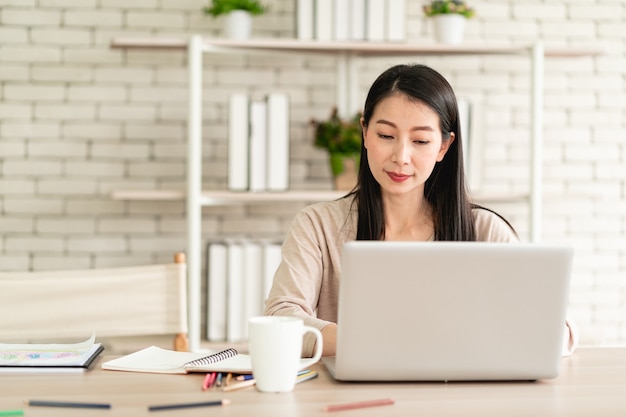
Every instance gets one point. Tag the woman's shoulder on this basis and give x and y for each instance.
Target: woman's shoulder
(327, 220)
(336, 216)
(330, 209)
(492, 227)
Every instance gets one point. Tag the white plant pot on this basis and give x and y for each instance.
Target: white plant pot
(238, 25)
(449, 28)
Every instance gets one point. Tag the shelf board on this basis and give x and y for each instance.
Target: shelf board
(225, 198)
(370, 49)
(221, 198)
(148, 195)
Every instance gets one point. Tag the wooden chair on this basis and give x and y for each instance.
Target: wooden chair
(123, 301)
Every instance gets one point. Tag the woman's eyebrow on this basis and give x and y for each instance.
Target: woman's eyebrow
(415, 128)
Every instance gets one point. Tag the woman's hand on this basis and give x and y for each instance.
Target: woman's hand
(329, 334)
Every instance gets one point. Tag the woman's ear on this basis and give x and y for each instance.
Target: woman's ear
(445, 145)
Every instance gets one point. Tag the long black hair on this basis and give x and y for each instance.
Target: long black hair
(445, 190)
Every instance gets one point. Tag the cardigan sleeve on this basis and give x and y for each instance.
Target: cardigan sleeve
(306, 281)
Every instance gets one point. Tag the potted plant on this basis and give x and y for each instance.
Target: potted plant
(449, 17)
(238, 23)
(342, 139)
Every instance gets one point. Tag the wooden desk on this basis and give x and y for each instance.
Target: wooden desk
(592, 383)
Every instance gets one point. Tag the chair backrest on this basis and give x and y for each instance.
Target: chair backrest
(123, 301)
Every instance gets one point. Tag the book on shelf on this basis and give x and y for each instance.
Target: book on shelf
(258, 143)
(216, 291)
(357, 20)
(49, 357)
(235, 323)
(157, 360)
(238, 136)
(375, 20)
(277, 142)
(324, 20)
(240, 274)
(305, 12)
(272, 255)
(253, 299)
(341, 20)
(258, 146)
(395, 25)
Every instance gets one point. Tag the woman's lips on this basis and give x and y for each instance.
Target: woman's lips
(396, 177)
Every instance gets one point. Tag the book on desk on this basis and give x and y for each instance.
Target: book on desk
(49, 357)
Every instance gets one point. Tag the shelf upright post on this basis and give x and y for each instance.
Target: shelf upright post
(536, 140)
(194, 188)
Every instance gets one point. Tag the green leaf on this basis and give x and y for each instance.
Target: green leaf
(220, 7)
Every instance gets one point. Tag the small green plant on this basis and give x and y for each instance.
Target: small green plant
(341, 138)
(337, 135)
(221, 7)
(448, 7)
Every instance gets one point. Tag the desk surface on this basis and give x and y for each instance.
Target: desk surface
(591, 382)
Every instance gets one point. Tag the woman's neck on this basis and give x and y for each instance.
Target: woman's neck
(408, 218)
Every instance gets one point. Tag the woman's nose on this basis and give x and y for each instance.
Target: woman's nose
(401, 152)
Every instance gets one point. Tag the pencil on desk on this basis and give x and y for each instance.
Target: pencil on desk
(306, 376)
(239, 385)
(10, 413)
(209, 379)
(359, 404)
(187, 405)
(66, 404)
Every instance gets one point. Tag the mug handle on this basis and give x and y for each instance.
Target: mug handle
(319, 345)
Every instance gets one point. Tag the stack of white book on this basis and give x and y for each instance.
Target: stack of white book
(239, 274)
(258, 143)
(351, 20)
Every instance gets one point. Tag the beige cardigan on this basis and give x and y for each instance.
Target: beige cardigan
(306, 283)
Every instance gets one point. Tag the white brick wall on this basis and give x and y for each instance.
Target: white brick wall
(78, 120)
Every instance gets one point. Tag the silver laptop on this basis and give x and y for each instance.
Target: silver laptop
(451, 311)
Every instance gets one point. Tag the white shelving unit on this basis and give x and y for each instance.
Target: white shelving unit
(346, 54)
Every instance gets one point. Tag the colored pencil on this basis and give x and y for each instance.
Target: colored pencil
(359, 404)
(306, 376)
(8, 413)
(239, 385)
(66, 404)
(187, 405)
(209, 379)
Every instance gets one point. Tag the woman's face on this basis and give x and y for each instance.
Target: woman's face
(403, 142)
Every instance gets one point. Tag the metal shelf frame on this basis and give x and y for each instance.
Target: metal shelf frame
(346, 54)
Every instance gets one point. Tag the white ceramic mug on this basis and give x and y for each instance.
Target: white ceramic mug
(275, 345)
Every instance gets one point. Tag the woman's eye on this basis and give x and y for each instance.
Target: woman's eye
(383, 136)
(421, 141)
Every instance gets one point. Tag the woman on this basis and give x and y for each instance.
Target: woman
(411, 186)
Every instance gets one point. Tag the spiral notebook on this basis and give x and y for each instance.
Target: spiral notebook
(162, 361)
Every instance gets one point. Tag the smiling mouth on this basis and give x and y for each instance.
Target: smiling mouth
(398, 177)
